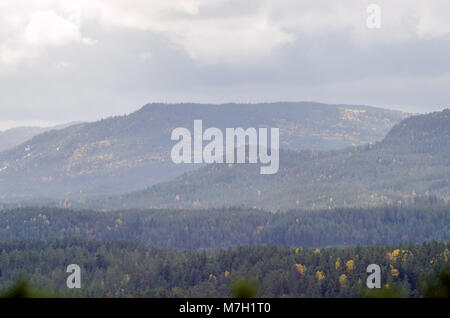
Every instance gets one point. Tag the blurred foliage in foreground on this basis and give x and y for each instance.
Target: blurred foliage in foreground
(21, 289)
(439, 288)
(245, 288)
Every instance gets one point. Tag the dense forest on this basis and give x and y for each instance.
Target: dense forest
(211, 228)
(125, 269)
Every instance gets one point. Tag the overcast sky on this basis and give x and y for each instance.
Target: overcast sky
(83, 60)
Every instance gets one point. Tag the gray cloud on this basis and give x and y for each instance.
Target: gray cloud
(64, 60)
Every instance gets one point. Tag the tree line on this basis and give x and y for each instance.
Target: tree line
(212, 228)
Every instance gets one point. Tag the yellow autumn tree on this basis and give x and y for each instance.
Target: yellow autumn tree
(394, 271)
(350, 265)
(393, 256)
(338, 263)
(300, 269)
(342, 280)
(320, 276)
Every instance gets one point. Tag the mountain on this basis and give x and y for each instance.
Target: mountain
(15, 136)
(126, 153)
(411, 163)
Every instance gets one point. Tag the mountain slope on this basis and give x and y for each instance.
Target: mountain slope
(413, 159)
(15, 136)
(128, 153)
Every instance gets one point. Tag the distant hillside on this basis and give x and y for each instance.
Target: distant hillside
(413, 160)
(127, 153)
(15, 136)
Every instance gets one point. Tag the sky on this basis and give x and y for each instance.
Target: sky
(66, 60)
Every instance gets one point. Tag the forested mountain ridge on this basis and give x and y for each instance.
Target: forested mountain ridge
(413, 159)
(421, 133)
(128, 153)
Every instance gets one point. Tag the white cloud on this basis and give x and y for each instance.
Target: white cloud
(221, 31)
(217, 31)
(30, 30)
(48, 28)
(231, 40)
(199, 27)
(431, 25)
(402, 20)
(61, 65)
(145, 56)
